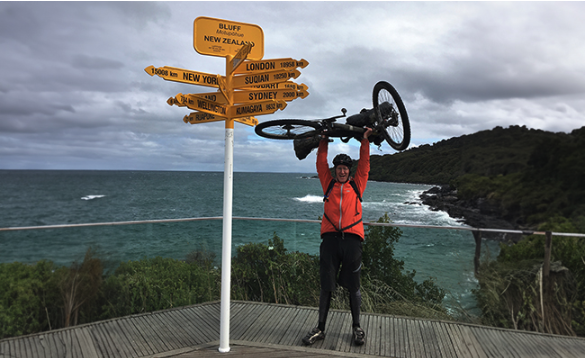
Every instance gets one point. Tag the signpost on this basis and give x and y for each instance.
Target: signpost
(252, 86)
(217, 37)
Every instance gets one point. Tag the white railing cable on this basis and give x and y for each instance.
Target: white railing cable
(466, 228)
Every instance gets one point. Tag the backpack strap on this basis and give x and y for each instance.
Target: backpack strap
(344, 228)
(351, 182)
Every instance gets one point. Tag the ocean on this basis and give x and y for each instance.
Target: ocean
(51, 197)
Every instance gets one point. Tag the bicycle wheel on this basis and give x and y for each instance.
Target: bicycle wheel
(287, 129)
(392, 119)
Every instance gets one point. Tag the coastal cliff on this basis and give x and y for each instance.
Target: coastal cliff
(504, 178)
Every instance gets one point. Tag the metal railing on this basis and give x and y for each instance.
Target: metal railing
(477, 232)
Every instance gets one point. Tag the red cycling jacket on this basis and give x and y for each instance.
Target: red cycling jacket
(343, 208)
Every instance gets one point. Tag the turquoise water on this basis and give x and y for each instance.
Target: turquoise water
(31, 198)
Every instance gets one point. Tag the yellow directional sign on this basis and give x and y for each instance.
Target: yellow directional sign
(282, 85)
(184, 76)
(264, 78)
(217, 37)
(255, 66)
(200, 117)
(256, 95)
(251, 109)
(212, 96)
(203, 105)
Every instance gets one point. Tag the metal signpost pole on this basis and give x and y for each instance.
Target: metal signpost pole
(226, 255)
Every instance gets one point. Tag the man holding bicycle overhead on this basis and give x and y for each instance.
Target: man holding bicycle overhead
(342, 233)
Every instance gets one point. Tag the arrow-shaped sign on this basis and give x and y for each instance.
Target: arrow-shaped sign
(200, 117)
(255, 95)
(212, 96)
(203, 105)
(250, 109)
(270, 65)
(184, 76)
(290, 85)
(264, 78)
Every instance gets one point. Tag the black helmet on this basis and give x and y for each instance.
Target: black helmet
(342, 159)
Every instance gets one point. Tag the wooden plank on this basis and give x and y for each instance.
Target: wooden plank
(133, 333)
(67, 343)
(102, 342)
(242, 325)
(333, 330)
(145, 335)
(415, 341)
(497, 339)
(430, 338)
(58, 344)
(460, 349)
(255, 327)
(208, 320)
(4, 349)
(106, 336)
(169, 332)
(86, 342)
(446, 339)
(198, 332)
(471, 342)
(302, 322)
(177, 322)
(152, 333)
(344, 340)
(202, 332)
(372, 330)
(75, 348)
(443, 341)
(402, 348)
(120, 340)
(537, 348)
(213, 314)
(378, 335)
(37, 346)
(278, 325)
(386, 336)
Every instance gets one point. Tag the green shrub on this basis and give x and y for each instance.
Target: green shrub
(27, 294)
(157, 283)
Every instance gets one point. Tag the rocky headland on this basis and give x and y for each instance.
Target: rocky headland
(475, 213)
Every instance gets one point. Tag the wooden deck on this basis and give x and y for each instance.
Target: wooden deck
(262, 330)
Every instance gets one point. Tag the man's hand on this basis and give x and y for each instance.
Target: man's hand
(367, 132)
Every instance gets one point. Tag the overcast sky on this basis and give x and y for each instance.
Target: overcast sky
(74, 93)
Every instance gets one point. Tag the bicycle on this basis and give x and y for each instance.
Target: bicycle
(388, 119)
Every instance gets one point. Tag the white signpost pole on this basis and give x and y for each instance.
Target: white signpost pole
(226, 256)
(226, 253)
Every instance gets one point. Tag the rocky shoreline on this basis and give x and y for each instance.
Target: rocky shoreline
(475, 213)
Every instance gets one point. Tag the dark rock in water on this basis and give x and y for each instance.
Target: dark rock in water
(475, 213)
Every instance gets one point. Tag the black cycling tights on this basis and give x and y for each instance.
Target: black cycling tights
(355, 301)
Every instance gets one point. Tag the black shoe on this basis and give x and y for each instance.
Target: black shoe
(359, 336)
(313, 336)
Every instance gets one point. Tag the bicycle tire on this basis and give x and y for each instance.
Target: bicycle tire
(287, 129)
(395, 130)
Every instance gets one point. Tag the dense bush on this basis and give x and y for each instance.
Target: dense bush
(40, 297)
(157, 283)
(26, 296)
(510, 291)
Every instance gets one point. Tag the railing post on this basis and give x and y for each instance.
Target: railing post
(477, 237)
(546, 285)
